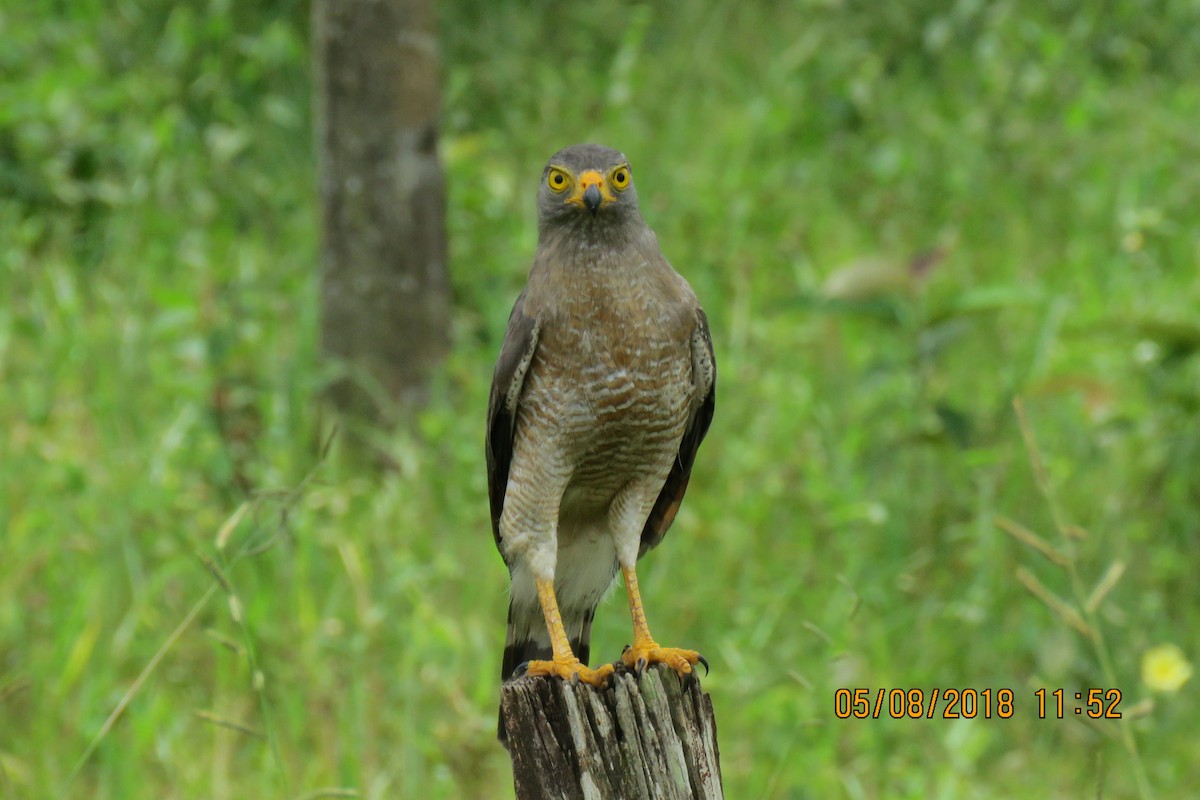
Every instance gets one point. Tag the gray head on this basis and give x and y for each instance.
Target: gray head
(587, 185)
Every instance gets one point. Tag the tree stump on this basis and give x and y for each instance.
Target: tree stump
(652, 736)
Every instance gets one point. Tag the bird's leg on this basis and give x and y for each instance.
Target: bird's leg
(645, 650)
(563, 663)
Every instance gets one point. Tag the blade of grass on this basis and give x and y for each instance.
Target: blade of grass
(230, 525)
(1069, 531)
(220, 721)
(1028, 537)
(136, 687)
(1059, 606)
(1107, 581)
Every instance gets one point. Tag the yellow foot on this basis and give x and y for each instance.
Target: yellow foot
(571, 669)
(639, 655)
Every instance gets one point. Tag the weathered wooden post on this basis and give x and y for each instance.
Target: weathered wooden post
(652, 736)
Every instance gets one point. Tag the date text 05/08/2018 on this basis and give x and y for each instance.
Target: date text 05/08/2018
(953, 703)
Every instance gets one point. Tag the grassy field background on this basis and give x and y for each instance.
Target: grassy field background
(900, 217)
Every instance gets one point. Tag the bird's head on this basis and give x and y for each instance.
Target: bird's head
(586, 182)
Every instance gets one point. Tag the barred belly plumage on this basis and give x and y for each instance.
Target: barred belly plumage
(615, 425)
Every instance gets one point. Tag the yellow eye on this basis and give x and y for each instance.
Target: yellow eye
(620, 178)
(557, 180)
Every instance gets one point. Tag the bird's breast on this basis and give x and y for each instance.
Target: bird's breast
(614, 392)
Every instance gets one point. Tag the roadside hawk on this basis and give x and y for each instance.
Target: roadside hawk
(603, 391)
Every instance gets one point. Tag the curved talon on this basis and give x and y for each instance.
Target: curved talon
(647, 652)
(703, 661)
(521, 669)
(571, 669)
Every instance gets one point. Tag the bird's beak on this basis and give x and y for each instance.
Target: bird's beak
(592, 198)
(590, 191)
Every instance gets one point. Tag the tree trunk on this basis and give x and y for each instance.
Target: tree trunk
(648, 737)
(385, 305)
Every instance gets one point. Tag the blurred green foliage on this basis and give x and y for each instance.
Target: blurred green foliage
(899, 216)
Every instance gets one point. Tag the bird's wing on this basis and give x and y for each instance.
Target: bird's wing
(704, 368)
(516, 354)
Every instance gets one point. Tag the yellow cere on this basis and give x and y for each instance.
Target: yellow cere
(591, 178)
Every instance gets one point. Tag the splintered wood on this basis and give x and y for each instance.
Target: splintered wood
(652, 737)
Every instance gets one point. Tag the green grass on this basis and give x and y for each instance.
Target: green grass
(158, 358)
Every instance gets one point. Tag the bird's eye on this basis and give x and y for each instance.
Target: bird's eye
(620, 178)
(557, 180)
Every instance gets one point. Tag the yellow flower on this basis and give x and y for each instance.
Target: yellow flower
(1164, 669)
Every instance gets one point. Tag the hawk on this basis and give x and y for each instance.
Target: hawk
(602, 393)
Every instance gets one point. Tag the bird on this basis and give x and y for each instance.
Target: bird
(604, 388)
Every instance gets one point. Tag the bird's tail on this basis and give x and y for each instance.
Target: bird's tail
(528, 639)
